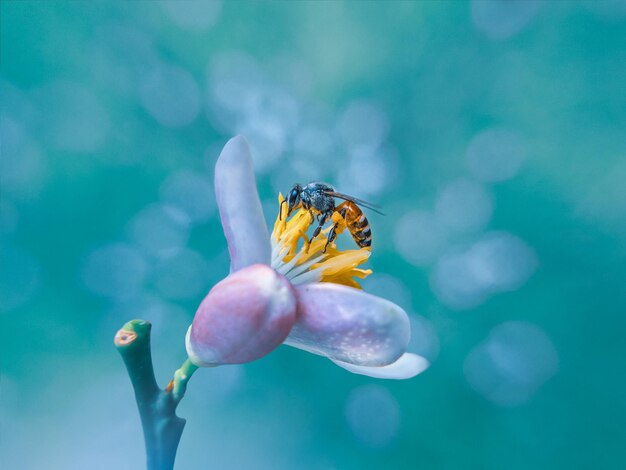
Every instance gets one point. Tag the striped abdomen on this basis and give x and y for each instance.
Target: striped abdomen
(357, 223)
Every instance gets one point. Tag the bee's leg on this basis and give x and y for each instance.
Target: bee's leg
(331, 237)
(318, 229)
(332, 234)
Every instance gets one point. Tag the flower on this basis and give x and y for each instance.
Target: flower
(280, 291)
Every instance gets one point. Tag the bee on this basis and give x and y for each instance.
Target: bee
(356, 223)
(319, 200)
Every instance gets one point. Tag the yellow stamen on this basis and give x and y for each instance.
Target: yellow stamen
(308, 262)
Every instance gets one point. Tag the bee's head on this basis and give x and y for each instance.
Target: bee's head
(294, 200)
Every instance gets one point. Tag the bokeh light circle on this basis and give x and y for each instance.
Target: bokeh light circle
(424, 339)
(116, 271)
(191, 193)
(501, 19)
(389, 287)
(368, 171)
(160, 230)
(464, 205)
(501, 261)
(419, 237)
(497, 262)
(182, 276)
(22, 163)
(455, 284)
(171, 95)
(192, 15)
(496, 154)
(74, 117)
(373, 415)
(512, 363)
(363, 123)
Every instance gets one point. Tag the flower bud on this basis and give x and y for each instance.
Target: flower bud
(243, 318)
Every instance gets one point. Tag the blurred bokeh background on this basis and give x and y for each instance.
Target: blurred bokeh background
(493, 134)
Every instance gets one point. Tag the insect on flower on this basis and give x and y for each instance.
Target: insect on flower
(319, 200)
(305, 295)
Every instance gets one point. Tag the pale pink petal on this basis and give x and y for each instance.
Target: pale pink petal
(348, 325)
(240, 207)
(408, 366)
(243, 318)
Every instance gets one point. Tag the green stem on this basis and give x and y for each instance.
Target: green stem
(181, 377)
(162, 429)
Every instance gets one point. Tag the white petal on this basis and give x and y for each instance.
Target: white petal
(240, 207)
(348, 325)
(408, 366)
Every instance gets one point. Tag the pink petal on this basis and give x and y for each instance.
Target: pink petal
(243, 318)
(408, 366)
(240, 207)
(348, 325)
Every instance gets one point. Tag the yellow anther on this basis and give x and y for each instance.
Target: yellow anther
(331, 265)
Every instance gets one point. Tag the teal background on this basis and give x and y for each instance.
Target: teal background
(491, 133)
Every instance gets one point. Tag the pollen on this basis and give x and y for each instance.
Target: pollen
(303, 262)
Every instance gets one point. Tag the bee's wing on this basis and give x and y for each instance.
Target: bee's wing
(356, 200)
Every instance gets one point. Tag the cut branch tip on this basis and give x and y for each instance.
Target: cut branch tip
(124, 337)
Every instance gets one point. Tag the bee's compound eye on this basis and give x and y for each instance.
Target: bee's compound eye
(293, 196)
